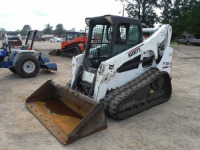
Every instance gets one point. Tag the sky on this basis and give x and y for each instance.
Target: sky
(70, 13)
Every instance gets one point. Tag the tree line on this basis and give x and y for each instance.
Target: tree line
(182, 15)
(48, 29)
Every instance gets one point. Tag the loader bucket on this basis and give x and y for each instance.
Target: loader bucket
(67, 114)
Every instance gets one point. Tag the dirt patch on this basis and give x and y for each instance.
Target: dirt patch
(172, 125)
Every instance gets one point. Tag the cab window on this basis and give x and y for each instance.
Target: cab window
(128, 35)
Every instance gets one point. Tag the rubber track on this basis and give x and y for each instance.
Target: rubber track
(115, 97)
(115, 92)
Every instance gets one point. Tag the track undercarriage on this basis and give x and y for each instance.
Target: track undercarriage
(148, 90)
(67, 52)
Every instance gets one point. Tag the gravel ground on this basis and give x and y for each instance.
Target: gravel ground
(172, 125)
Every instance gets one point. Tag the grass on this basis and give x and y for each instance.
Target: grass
(173, 42)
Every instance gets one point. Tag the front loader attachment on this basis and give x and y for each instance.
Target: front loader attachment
(67, 114)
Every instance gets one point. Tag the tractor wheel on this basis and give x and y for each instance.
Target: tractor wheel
(27, 66)
(12, 70)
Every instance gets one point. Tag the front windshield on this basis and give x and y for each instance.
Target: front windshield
(98, 50)
(13, 37)
(126, 35)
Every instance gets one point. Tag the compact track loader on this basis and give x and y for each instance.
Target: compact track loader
(120, 73)
(72, 46)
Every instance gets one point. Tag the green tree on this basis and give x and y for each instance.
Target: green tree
(179, 10)
(2, 31)
(59, 30)
(47, 29)
(25, 29)
(17, 31)
(193, 17)
(166, 14)
(143, 10)
(174, 13)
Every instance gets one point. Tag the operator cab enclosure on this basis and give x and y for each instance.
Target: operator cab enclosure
(109, 36)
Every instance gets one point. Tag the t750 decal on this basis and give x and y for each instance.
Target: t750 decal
(131, 53)
(134, 51)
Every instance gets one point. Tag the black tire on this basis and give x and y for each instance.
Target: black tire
(12, 70)
(178, 43)
(188, 43)
(20, 66)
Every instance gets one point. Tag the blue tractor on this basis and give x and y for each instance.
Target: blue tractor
(25, 61)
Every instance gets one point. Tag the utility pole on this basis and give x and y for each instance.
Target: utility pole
(123, 9)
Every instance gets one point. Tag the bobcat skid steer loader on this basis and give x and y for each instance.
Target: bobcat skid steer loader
(119, 73)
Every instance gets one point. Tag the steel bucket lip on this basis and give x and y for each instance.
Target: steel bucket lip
(73, 135)
(89, 118)
(69, 90)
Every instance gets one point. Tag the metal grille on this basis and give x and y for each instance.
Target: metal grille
(99, 44)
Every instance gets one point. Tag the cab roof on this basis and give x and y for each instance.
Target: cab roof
(111, 19)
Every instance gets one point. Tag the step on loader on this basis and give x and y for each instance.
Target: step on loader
(120, 74)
